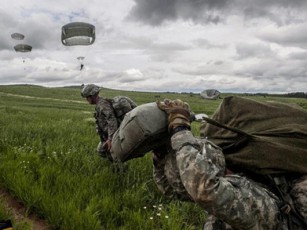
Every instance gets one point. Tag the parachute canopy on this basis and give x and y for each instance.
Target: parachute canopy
(78, 33)
(17, 36)
(80, 58)
(210, 94)
(23, 48)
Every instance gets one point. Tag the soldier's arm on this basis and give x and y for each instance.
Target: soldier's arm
(111, 119)
(201, 167)
(235, 199)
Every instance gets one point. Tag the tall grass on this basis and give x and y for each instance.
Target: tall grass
(48, 160)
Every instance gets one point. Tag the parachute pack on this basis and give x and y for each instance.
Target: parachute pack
(121, 106)
(260, 137)
(143, 129)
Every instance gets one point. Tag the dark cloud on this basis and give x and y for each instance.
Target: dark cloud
(155, 12)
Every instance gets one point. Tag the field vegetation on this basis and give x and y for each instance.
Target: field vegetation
(48, 161)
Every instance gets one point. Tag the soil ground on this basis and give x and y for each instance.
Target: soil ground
(19, 211)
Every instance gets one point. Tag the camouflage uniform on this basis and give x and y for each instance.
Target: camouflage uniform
(195, 170)
(299, 195)
(106, 123)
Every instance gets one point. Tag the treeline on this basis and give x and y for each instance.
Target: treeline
(293, 94)
(297, 95)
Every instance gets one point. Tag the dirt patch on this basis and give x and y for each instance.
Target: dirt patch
(19, 211)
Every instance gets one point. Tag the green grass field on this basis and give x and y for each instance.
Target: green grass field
(48, 161)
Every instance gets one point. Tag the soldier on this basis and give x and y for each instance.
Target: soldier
(106, 121)
(194, 169)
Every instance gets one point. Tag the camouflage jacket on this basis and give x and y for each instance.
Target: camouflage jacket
(195, 169)
(106, 120)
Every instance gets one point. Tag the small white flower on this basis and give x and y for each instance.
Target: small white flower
(151, 218)
(166, 217)
(145, 207)
(158, 214)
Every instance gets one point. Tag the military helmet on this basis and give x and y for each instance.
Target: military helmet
(90, 90)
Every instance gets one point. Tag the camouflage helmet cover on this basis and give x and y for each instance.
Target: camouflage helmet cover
(90, 90)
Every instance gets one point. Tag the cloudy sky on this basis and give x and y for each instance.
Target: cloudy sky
(160, 45)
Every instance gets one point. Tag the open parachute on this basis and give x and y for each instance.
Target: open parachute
(23, 48)
(17, 36)
(78, 33)
(210, 94)
(80, 59)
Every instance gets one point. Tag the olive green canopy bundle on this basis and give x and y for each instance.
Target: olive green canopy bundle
(78, 33)
(259, 137)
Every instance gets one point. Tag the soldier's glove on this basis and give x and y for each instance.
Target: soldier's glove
(178, 114)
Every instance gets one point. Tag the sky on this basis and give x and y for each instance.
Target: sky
(238, 46)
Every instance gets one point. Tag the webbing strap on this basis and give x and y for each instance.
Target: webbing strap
(218, 124)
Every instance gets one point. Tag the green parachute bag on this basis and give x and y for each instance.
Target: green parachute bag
(259, 137)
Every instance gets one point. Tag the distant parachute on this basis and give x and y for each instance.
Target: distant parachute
(211, 94)
(17, 36)
(80, 58)
(23, 48)
(81, 62)
(78, 33)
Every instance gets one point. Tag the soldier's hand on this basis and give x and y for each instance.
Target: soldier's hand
(108, 144)
(178, 113)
